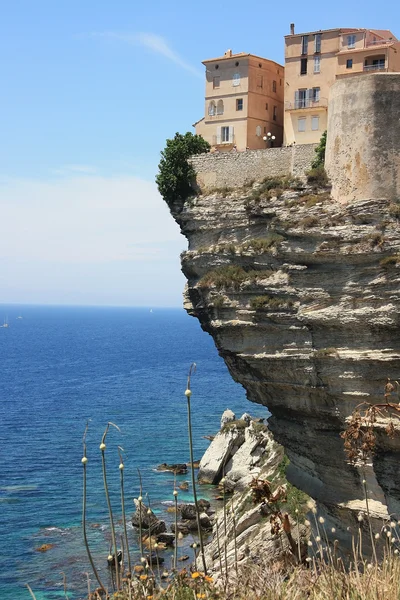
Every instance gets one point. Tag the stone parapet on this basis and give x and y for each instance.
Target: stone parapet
(235, 169)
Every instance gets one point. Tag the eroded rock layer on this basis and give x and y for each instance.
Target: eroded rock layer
(301, 296)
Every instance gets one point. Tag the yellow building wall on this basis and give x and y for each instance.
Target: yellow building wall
(256, 89)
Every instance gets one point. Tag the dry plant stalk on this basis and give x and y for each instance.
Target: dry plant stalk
(114, 540)
(360, 435)
(188, 393)
(121, 470)
(84, 462)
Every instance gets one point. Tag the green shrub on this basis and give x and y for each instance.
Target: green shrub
(309, 221)
(175, 179)
(394, 210)
(376, 239)
(237, 424)
(389, 261)
(324, 352)
(263, 244)
(231, 276)
(319, 160)
(218, 301)
(317, 176)
(270, 303)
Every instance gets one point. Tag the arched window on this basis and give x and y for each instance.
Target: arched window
(236, 79)
(211, 108)
(220, 107)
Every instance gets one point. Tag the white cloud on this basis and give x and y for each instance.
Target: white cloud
(75, 169)
(84, 235)
(153, 42)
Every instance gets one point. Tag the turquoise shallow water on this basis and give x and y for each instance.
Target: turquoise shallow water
(61, 367)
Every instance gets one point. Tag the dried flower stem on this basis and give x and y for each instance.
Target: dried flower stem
(121, 471)
(114, 540)
(140, 513)
(188, 394)
(84, 462)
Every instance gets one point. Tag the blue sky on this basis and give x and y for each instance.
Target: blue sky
(90, 91)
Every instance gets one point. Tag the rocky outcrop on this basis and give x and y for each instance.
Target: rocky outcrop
(146, 519)
(237, 453)
(244, 532)
(301, 296)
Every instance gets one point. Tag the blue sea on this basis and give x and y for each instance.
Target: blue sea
(63, 367)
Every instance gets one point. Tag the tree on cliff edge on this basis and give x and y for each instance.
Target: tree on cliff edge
(176, 176)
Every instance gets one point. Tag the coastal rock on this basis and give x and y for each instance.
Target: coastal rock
(237, 451)
(177, 469)
(148, 519)
(227, 416)
(219, 452)
(166, 538)
(246, 418)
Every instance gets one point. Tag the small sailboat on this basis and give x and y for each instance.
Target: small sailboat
(5, 324)
(20, 317)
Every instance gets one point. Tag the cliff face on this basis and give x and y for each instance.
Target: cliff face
(301, 296)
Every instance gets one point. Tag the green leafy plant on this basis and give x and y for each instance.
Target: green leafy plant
(175, 179)
(317, 176)
(320, 153)
(270, 303)
(231, 276)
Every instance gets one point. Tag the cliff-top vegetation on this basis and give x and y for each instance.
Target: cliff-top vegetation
(176, 176)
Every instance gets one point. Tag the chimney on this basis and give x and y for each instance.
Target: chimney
(228, 53)
(291, 28)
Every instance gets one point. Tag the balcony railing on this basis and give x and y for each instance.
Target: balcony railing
(218, 141)
(380, 43)
(379, 67)
(306, 103)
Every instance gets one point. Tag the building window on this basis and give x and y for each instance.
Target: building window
(274, 86)
(274, 115)
(220, 107)
(349, 63)
(258, 131)
(315, 94)
(301, 124)
(303, 66)
(239, 104)
(351, 41)
(212, 109)
(216, 82)
(315, 123)
(317, 64)
(236, 79)
(304, 44)
(225, 137)
(266, 106)
(317, 42)
(259, 81)
(300, 98)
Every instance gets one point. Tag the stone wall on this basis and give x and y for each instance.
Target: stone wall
(363, 143)
(235, 169)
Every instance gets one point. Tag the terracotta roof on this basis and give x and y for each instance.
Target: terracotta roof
(385, 33)
(240, 55)
(197, 122)
(344, 29)
(226, 57)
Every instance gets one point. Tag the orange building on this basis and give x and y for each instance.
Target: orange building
(313, 62)
(243, 102)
